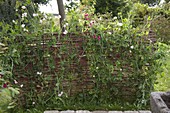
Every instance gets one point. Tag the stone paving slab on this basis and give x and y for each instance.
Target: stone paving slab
(115, 112)
(68, 111)
(145, 112)
(130, 112)
(85, 111)
(100, 112)
(51, 111)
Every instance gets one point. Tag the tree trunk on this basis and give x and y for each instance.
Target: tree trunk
(61, 12)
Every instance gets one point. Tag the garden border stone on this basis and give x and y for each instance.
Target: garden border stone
(158, 102)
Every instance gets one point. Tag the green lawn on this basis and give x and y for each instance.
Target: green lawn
(163, 78)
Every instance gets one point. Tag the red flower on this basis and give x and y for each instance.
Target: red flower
(5, 85)
(117, 55)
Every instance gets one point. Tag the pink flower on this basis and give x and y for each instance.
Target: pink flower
(91, 23)
(86, 14)
(94, 36)
(87, 18)
(99, 38)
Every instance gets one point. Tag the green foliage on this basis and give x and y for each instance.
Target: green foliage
(161, 26)
(6, 99)
(158, 24)
(140, 12)
(167, 1)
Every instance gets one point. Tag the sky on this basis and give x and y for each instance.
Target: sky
(52, 7)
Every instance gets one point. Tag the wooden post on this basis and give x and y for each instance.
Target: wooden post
(61, 12)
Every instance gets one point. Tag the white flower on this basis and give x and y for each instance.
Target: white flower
(119, 24)
(13, 21)
(58, 16)
(65, 32)
(33, 103)
(39, 73)
(97, 67)
(120, 69)
(23, 7)
(92, 21)
(35, 15)
(131, 47)
(15, 82)
(45, 16)
(23, 25)
(109, 33)
(16, 10)
(80, 20)
(66, 24)
(25, 30)
(24, 15)
(41, 21)
(115, 18)
(60, 94)
(21, 85)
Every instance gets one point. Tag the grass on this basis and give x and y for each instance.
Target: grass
(163, 78)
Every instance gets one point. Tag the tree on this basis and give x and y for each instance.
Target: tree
(8, 8)
(61, 12)
(114, 6)
(167, 1)
(150, 2)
